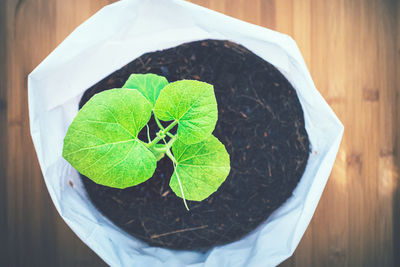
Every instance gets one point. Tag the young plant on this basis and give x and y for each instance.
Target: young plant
(102, 142)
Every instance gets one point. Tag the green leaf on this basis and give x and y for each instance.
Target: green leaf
(201, 167)
(102, 144)
(150, 85)
(193, 105)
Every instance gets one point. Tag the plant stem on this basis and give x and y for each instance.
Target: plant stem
(161, 134)
(170, 142)
(180, 185)
(158, 122)
(148, 134)
(170, 135)
(169, 154)
(169, 128)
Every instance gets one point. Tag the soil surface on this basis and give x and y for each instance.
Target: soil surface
(260, 122)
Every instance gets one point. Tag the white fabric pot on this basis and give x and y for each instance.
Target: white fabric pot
(110, 39)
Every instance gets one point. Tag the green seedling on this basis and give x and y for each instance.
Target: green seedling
(102, 141)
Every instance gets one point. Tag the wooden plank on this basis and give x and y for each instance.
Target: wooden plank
(36, 233)
(387, 171)
(3, 135)
(396, 193)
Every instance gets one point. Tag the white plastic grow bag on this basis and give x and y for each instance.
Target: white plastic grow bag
(116, 35)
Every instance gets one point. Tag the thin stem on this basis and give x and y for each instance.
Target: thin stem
(155, 140)
(170, 142)
(165, 142)
(170, 135)
(169, 154)
(158, 122)
(161, 134)
(180, 185)
(169, 128)
(148, 134)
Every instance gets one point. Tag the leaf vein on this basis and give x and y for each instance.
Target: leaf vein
(105, 144)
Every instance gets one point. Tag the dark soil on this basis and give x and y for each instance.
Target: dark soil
(261, 124)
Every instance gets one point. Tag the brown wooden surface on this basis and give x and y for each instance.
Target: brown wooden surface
(351, 48)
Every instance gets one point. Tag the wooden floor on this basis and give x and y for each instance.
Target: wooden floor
(351, 48)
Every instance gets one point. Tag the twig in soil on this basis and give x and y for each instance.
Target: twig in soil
(119, 201)
(129, 222)
(179, 231)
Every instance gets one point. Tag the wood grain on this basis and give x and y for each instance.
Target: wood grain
(352, 48)
(3, 135)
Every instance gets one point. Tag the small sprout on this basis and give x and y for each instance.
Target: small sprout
(102, 141)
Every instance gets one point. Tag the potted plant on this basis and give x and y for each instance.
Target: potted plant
(103, 140)
(270, 116)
